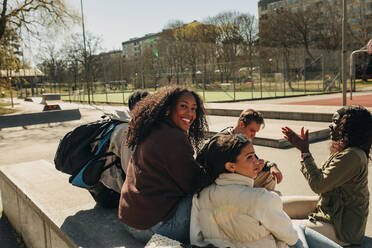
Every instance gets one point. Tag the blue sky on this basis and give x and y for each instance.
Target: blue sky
(120, 20)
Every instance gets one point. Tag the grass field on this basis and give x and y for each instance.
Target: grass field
(208, 96)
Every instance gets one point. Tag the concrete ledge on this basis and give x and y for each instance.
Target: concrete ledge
(271, 135)
(39, 118)
(49, 212)
(286, 115)
(282, 143)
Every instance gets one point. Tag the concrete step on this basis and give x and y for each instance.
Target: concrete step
(275, 111)
(49, 212)
(272, 135)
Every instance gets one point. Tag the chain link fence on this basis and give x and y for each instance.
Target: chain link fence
(275, 72)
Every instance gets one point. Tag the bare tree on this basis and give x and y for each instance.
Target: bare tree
(74, 50)
(249, 30)
(29, 14)
(229, 42)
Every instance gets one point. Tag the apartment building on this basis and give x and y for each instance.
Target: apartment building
(359, 12)
(135, 47)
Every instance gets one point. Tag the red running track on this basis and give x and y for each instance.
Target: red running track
(365, 100)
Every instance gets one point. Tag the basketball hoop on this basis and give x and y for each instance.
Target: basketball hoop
(369, 47)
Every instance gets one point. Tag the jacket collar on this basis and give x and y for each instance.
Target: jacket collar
(234, 178)
(170, 123)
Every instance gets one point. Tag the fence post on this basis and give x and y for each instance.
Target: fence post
(204, 90)
(261, 79)
(323, 69)
(304, 72)
(252, 86)
(123, 96)
(106, 93)
(234, 87)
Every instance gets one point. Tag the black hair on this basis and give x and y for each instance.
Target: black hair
(356, 128)
(136, 97)
(223, 149)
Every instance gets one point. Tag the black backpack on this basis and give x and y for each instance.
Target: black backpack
(82, 153)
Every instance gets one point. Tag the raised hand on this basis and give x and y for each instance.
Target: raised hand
(301, 142)
(276, 173)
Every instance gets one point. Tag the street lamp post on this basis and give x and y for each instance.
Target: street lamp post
(85, 50)
(343, 55)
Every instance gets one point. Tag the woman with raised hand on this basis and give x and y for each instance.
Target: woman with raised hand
(341, 182)
(162, 174)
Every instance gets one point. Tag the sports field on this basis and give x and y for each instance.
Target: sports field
(208, 96)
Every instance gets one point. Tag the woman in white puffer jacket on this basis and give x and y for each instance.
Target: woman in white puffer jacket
(229, 212)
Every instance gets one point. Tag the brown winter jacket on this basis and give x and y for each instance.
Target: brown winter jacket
(161, 172)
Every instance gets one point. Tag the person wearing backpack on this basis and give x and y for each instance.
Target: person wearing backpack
(107, 192)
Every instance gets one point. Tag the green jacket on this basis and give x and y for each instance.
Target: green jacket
(343, 187)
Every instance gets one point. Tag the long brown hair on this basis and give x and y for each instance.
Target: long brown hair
(150, 111)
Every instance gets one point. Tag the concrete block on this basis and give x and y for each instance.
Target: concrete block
(53, 213)
(55, 240)
(39, 118)
(33, 230)
(283, 112)
(50, 97)
(10, 204)
(271, 135)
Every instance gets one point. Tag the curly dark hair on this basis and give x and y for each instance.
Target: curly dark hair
(356, 129)
(153, 109)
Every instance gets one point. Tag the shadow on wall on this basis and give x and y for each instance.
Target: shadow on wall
(98, 227)
(8, 237)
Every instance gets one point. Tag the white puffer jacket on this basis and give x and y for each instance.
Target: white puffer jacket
(231, 213)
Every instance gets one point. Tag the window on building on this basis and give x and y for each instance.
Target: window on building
(354, 21)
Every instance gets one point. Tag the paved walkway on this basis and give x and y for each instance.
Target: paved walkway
(41, 141)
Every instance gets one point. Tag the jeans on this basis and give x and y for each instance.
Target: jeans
(308, 238)
(177, 227)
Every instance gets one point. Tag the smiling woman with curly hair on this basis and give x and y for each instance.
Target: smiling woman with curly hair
(156, 108)
(342, 181)
(165, 130)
